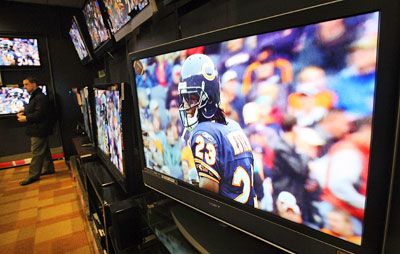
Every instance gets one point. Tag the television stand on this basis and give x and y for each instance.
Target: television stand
(211, 236)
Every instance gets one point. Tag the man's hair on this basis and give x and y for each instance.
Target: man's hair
(31, 79)
(218, 117)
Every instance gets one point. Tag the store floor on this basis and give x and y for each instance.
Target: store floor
(43, 217)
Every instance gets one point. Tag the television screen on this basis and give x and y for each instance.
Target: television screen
(97, 30)
(87, 115)
(134, 7)
(279, 121)
(14, 99)
(19, 52)
(109, 124)
(120, 12)
(77, 40)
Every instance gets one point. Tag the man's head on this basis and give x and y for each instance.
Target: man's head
(199, 91)
(30, 84)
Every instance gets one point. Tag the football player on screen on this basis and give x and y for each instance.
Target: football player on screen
(222, 153)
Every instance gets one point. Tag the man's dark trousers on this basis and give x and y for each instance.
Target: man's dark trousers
(41, 157)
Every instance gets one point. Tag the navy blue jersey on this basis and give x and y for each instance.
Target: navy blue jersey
(222, 153)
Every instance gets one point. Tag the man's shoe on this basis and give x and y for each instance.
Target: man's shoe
(28, 181)
(48, 172)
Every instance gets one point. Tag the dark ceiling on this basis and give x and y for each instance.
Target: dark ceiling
(65, 3)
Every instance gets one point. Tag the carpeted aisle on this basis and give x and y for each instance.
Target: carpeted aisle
(43, 217)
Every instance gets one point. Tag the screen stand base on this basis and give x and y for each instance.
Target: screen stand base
(211, 236)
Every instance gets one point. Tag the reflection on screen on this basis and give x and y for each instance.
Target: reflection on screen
(19, 52)
(108, 120)
(296, 134)
(87, 116)
(97, 29)
(78, 42)
(14, 99)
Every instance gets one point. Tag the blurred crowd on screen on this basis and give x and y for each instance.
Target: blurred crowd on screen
(94, 20)
(77, 40)
(109, 130)
(304, 97)
(19, 52)
(119, 10)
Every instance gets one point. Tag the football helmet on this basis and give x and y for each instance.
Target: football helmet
(199, 91)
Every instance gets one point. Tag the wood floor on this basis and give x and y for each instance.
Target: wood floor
(43, 217)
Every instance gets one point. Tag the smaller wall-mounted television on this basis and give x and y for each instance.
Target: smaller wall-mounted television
(14, 99)
(19, 52)
(125, 16)
(113, 114)
(79, 42)
(98, 31)
(118, 13)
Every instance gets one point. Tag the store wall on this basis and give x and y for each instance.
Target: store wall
(61, 69)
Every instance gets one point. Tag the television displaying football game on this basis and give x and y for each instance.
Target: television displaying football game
(19, 52)
(109, 125)
(13, 99)
(279, 121)
(121, 11)
(77, 40)
(97, 30)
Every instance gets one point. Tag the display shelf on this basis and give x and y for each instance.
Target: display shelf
(83, 147)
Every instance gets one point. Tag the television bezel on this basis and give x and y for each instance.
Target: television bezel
(89, 100)
(24, 67)
(131, 181)
(286, 234)
(89, 57)
(107, 44)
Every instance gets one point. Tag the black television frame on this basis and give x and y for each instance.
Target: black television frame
(131, 182)
(89, 57)
(284, 234)
(106, 45)
(90, 110)
(24, 36)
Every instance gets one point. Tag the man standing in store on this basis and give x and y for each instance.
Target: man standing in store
(37, 116)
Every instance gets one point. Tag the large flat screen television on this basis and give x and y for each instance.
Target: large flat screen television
(79, 42)
(14, 99)
(268, 126)
(19, 52)
(98, 31)
(113, 114)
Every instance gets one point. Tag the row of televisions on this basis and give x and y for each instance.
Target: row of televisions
(106, 21)
(318, 114)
